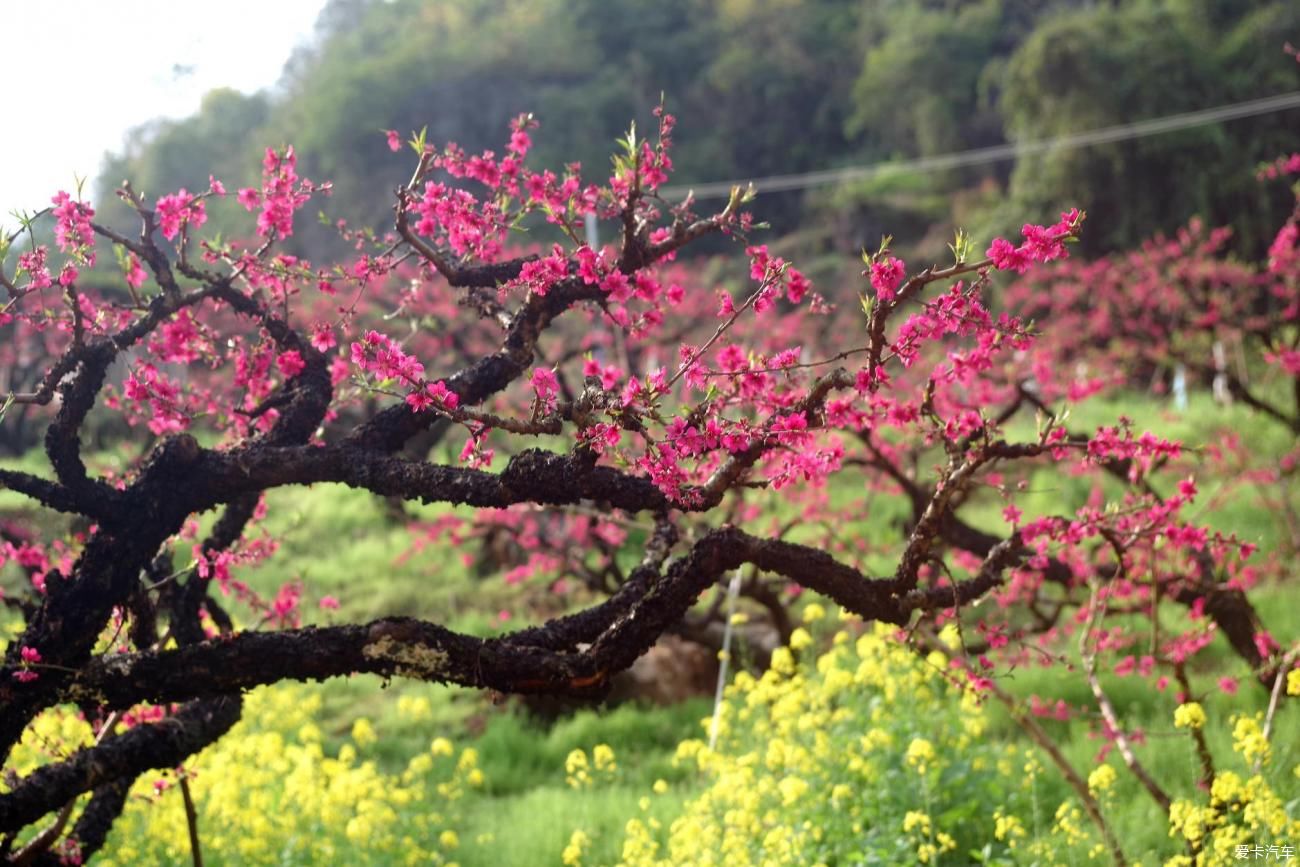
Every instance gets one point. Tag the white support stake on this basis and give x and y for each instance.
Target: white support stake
(733, 590)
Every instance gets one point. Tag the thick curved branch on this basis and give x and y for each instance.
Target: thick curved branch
(77, 395)
(91, 829)
(49, 494)
(532, 476)
(163, 744)
(310, 391)
(523, 662)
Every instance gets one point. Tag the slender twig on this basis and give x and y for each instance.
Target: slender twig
(1202, 748)
(1088, 651)
(192, 822)
(686, 365)
(1044, 740)
(1282, 668)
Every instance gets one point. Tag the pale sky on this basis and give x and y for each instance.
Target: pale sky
(79, 73)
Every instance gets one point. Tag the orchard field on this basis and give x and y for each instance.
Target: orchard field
(394, 755)
(407, 509)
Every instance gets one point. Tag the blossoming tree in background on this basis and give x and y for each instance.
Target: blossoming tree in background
(585, 381)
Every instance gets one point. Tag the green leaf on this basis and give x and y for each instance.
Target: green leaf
(962, 247)
(417, 142)
(629, 141)
(885, 241)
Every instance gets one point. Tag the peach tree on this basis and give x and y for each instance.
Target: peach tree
(577, 381)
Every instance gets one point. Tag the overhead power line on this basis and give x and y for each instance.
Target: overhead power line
(996, 153)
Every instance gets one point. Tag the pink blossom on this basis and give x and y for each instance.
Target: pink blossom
(135, 275)
(601, 437)
(886, 275)
(72, 229)
(444, 395)
(519, 143)
(797, 285)
(322, 337)
(1008, 257)
(434, 394)
(1265, 645)
(290, 363)
(617, 286)
(33, 262)
(179, 210)
(394, 141)
(546, 387)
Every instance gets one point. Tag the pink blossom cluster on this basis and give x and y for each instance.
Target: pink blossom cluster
(380, 355)
(33, 263)
(780, 274)
(282, 194)
(1041, 244)
(178, 210)
(546, 388)
(72, 227)
(147, 384)
(181, 340)
(886, 274)
(1280, 167)
(30, 656)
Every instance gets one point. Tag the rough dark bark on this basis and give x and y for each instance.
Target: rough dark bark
(163, 744)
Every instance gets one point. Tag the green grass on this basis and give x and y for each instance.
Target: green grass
(533, 827)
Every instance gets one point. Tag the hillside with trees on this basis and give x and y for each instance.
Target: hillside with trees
(769, 87)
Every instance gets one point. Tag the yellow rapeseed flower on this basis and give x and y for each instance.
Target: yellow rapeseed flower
(603, 757)
(573, 852)
(1101, 779)
(782, 661)
(1007, 827)
(915, 819)
(576, 769)
(1189, 716)
(363, 733)
(1248, 739)
(792, 789)
(920, 753)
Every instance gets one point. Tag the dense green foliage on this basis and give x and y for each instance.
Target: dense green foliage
(783, 86)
